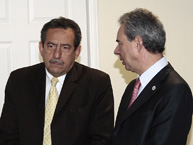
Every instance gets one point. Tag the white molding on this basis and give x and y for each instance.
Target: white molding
(93, 45)
(7, 18)
(40, 19)
(68, 8)
(8, 47)
(34, 52)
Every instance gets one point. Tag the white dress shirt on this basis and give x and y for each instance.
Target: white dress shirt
(147, 76)
(58, 85)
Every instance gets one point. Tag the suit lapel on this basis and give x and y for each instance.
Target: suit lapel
(125, 101)
(68, 87)
(39, 93)
(39, 82)
(152, 87)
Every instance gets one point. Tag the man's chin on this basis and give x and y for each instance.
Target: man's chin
(55, 71)
(127, 68)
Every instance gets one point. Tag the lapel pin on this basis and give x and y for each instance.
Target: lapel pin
(153, 88)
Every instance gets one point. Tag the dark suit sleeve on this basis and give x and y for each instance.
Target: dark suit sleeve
(173, 118)
(102, 118)
(8, 125)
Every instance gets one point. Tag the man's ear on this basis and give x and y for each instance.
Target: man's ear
(77, 51)
(139, 42)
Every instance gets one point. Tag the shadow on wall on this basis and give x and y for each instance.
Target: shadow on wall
(190, 136)
(126, 75)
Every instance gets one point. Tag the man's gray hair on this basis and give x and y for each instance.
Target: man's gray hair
(141, 22)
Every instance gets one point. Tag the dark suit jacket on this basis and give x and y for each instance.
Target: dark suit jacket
(84, 114)
(161, 115)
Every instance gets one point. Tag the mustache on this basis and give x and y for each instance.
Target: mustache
(56, 61)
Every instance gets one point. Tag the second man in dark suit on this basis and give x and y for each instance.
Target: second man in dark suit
(84, 112)
(156, 109)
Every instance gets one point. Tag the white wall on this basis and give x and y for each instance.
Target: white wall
(177, 17)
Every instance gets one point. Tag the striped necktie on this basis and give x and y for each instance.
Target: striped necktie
(135, 92)
(50, 109)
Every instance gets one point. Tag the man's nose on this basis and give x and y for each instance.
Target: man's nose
(57, 52)
(116, 51)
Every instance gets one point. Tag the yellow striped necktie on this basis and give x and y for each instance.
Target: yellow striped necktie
(50, 109)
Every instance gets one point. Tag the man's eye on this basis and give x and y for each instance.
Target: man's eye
(66, 48)
(51, 46)
(119, 44)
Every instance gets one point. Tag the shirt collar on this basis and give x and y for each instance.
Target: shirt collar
(147, 76)
(60, 79)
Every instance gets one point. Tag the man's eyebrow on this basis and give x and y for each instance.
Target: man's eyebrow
(51, 43)
(66, 44)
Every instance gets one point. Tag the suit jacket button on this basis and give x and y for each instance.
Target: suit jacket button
(153, 88)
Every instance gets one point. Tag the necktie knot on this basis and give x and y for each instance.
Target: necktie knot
(54, 81)
(137, 84)
(135, 91)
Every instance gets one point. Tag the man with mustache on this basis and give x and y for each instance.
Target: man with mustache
(59, 101)
(156, 108)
